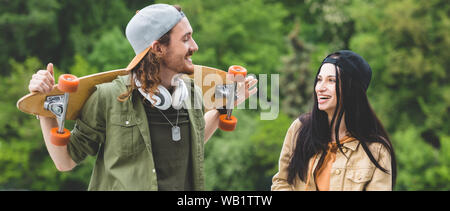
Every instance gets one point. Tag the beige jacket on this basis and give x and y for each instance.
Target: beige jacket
(353, 174)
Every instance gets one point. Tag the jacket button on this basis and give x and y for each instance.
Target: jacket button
(337, 172)
(127, 122)
(153, 171)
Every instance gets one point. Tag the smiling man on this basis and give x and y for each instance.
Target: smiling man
(143, 127)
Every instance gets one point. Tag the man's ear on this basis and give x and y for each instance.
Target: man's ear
(157, 48)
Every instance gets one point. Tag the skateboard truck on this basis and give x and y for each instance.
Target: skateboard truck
(225, 91)
(58, 104)
(227, 122)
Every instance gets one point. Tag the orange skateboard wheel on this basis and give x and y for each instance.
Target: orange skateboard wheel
(59, 139)
(68, 83)
(227, 124)
(238, 72)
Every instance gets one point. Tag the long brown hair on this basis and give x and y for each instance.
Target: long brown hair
(147, 70)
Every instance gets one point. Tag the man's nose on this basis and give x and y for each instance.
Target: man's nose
(194, 46)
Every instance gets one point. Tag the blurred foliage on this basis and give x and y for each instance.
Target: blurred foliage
(421, 167)
(406, 42)
(25, 163)
(247, 33)
(296, 76)
(249, 154)
(407, 45)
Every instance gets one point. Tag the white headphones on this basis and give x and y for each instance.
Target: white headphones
(163, 100)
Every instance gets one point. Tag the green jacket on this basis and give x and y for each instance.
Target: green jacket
(118, 133)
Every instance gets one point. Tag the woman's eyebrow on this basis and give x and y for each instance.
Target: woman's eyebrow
(328, 76)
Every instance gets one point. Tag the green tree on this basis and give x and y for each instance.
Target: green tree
(296, 76)
(28, 28)
(55, 31)
(229, 157)
(408, 64)
(247, 33)
(247, 158)
(85, 23)
(420, 166)
(406, 42)
(81, 67)
(267, 141)
(324, 22)
(24, 160)
(407, 45)
(111, 51)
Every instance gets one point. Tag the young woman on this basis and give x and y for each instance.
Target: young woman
(341, 144)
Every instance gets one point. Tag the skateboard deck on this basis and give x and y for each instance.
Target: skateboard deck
(207, 78)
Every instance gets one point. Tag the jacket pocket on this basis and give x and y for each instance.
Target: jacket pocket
(125, 136)
(357, 179)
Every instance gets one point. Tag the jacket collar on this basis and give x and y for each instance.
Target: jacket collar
(351, 144)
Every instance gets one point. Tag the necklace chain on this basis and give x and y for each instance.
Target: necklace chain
(176, 124)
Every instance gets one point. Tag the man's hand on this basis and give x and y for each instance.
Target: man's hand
(244, 91)
(43, 80)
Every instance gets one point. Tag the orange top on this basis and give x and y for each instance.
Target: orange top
(322, 177)
(323, 174)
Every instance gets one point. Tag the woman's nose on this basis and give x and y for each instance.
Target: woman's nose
(320, 87)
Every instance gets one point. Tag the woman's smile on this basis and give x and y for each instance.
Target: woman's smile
(321, 99)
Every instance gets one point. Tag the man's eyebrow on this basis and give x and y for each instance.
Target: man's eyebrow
(187, 33)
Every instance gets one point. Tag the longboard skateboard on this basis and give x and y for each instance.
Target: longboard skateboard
(67, 98)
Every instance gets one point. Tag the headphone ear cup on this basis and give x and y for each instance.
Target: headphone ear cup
(161, 100)
(165, 99)
(179, 95)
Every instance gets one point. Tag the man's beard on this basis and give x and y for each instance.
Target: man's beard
(179, 67)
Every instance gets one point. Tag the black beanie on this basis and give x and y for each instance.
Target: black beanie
(352, 64)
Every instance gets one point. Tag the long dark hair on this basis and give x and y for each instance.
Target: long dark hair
(360, 120)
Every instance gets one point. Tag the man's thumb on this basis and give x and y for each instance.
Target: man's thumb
(50, 68)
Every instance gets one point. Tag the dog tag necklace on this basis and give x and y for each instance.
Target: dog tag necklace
(176, 132)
